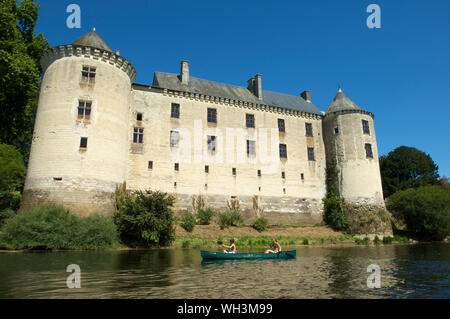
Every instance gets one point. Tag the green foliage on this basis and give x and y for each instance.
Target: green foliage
(235, 217)
(377, 240)
(425, 211)
(224, 220)
(388, 240)
(366, 240)
(188, 221)
(12, 168)
(230, 217)
(260, 224)
(334, 214)
(186, 243)
(305, 241)
(407, 167)
(9, 200)
(145, 219)
(219, 241)
(204, 216)
(20, 53)
(54, 227)
(5, 215)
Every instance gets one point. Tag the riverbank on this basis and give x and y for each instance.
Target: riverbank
(211, 236)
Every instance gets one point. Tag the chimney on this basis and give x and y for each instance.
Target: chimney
(306, 95)
(184, 74)
(254, 85)
(117, 52)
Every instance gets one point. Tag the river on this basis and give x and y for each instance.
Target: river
(406, 271)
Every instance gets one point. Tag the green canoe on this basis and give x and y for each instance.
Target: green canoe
(289, 254)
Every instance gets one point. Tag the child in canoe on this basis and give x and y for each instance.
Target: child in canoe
(276, 248)
(232, 248)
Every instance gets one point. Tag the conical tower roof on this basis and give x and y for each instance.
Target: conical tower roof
(341, 102)
(92, 39)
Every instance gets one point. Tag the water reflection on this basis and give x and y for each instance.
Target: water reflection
(417, 271)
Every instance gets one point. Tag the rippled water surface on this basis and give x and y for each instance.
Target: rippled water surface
(407, 271)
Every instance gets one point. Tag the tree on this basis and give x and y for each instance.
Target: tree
(407, 167)
(20, 53)
(12, 177)
(425, 211)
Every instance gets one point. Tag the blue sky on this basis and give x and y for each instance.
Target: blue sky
(400, 72)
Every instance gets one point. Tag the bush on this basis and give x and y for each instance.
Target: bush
(425, 211)
(204, 216)
(96, 231)
(260, 224)
(5, 215)
(188, 222)
(145, 219)
(55, 227)
(387, 240)
(224, 220)
(230, 217)
(333, 212)
(235, 217)
(305, 241)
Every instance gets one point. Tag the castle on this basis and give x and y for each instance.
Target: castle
(97, 130)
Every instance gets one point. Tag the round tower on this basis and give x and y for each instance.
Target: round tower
(80, 139)
(350, 141)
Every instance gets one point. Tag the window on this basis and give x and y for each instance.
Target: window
(369, 153)
(259, 188)
(175, 184)
(310, 153)
(250, 120)
(138, 135)
(283, 151)
(174, 138)
(365, 126)
(309, 131)
(176, 167)
(139, 117)
(206, 169)
(284, 190)
(84, 110)
(233, 171)
(211, 144)
(283, 175)
(302, 176)
(83, 142)
(259, 173)
(175, 113)
(150, 164)
(251, 147)
(212, 116)
(88, 74)
(336, 130)
(281, 125)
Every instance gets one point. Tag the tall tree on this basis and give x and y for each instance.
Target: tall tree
(20, 53)
(407, 167)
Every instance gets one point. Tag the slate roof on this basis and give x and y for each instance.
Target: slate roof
(92, 39)
(341, 102)
(200, 86)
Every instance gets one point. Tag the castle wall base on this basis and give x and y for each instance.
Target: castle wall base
(277, 210)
